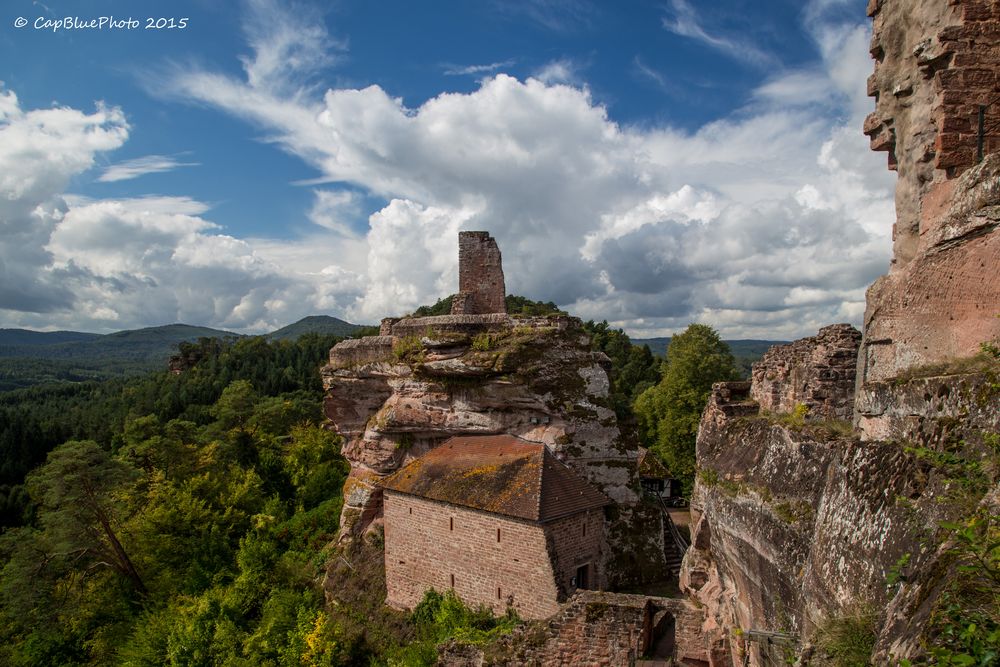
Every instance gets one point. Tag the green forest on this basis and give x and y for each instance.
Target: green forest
(189, 518)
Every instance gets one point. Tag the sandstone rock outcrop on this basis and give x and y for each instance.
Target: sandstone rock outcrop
(395, 397)
(936, 67)
(796, 522)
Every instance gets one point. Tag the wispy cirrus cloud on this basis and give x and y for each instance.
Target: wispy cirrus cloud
(685, 22)
(557, 15)
(465, 70)
(148, 164)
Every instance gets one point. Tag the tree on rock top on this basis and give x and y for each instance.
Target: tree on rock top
(669, 412)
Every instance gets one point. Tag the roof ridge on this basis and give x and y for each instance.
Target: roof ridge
(541, 482)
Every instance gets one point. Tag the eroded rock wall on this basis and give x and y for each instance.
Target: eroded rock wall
(798, 523)
(936, 67)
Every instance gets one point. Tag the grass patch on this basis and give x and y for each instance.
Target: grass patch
(408, 348)
(848, 640)
(820, 429)
(987, 360)
(794, 511)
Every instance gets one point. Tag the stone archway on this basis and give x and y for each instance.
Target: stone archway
(663, 641)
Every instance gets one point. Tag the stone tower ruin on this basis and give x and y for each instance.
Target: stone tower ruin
(481, 287)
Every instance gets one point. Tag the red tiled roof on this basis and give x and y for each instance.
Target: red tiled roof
(501, 474)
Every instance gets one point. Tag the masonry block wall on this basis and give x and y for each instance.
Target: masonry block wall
(575, 542)
(434, 544)
(817, 372)
(481, 286)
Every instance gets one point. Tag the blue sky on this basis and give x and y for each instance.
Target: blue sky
(649, 163)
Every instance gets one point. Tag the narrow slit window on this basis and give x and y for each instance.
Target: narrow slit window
(451, 523)
(585, 529)
(452, 580)
(498, 534)
(411, 510)
(498, 592)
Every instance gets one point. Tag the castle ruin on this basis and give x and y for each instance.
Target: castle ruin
(480, 276)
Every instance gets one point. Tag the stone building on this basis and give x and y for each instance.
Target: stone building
(497, 519)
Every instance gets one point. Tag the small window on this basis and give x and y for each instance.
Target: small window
(411, 510)
(452, 581)
(498, 534)
(451, 523)
(498, 592)
(585, 528)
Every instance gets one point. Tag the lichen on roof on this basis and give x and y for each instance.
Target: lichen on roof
(501, 474)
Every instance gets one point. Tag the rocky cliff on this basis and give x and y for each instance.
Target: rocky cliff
(937, 114)
(800, 521)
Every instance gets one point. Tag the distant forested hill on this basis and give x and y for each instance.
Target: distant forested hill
(317, 324)
(20, 337)
(29, 358)
(142, 345)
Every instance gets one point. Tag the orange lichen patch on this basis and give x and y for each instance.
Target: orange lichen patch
(501, 474)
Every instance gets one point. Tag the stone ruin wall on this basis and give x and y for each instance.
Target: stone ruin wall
(936, 63)
(817, 372)
(595, 629)
(480, 276)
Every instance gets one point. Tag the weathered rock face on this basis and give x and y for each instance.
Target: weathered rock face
(817, 372)
(936, 65)
(796, 524)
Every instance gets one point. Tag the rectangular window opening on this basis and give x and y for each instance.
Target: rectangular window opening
(411, 510)
(498, 534)
(498, 592)
(585, 528)
(451, 523)
(452, 580)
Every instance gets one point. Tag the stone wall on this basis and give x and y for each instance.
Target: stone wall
(936, 64)
(596, 629)
(818, 372)
(480, 276)
(428, 542)
(573, 542)
(359, 351)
